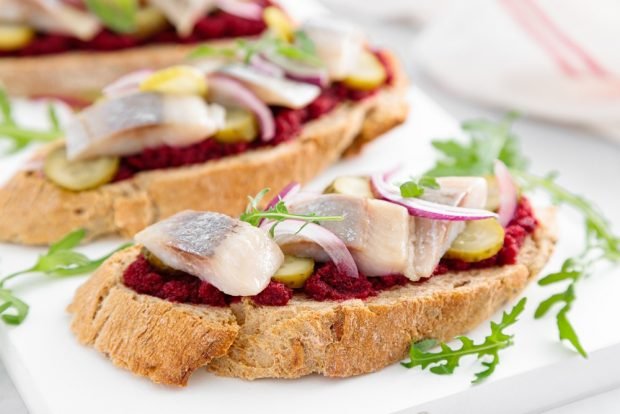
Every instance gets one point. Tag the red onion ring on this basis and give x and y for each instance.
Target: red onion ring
(127, 84)
(508, 198)
(246, 9)
(297, 71)
(291, 230)
(290, 190)
(422, 208)
(265, 66)
(228, 91)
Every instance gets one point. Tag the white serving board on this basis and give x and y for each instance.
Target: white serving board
(55, 375)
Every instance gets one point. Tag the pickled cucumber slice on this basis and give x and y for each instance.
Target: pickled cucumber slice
(279, 23)
(241, 126)
(294, 271)
(79, 175)
(149, 21)
(181, 80)
(354, 186)
(159, 266)
(480, 240)
(15, 36)
(368, 74)
(493, 200)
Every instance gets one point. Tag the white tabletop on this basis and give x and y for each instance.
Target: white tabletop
(399, 38)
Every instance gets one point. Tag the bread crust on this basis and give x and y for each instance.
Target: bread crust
(335, 339)
(220, 185)
(84, 73)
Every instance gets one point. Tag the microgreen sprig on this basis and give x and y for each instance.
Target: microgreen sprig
(446, 360)
(301, 50)
(416, 188)
(494, 140)
(20, 136)
(59, 261)
(279, 212)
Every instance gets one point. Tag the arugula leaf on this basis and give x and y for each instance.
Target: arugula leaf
(118, 15)
(59, 261)
(279, 212)
(414, 189)
(446, 360)
(19, 136)
(489, 140)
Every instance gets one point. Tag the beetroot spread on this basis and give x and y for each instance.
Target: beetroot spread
(288, 123)
(217, 25)
(143, 278)
(522, 224)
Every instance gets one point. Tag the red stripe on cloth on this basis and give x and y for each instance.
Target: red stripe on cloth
(595, 67)
(539, 37)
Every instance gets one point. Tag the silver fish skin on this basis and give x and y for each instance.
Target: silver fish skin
(232, 255)
(376, 232)
(128, 124)
(431, 239)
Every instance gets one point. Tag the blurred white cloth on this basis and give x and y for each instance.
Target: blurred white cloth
(557, 59)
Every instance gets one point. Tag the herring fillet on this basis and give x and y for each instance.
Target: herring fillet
(431, 239)
(232, 255)
(52, 16)
(128, 124)
(376, 232)
(184, 14)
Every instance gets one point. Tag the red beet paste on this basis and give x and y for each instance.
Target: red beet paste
(218, 25)
(288, 125)
(143, 278)
(523, 224)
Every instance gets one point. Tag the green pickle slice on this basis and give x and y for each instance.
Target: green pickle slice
(354, 186)
(79, 175)
(480, 240)
(241, 126)
(294, 271)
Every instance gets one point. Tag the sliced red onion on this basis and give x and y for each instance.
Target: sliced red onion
(246, 9)
(290, 190)
(127, 84)
(290, 230)
(298, 71)
(260, 63)
(422, 208)
(228, 91)
(507, 193)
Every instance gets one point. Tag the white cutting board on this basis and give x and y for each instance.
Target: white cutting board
(55, 375)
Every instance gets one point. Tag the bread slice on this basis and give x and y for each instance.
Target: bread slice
(221, 185)
(84, 73)
(166, 342)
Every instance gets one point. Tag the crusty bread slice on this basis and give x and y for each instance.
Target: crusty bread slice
(35, 211)
(84, 74)
(166, 342)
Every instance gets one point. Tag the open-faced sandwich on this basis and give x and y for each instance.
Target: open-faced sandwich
(75, 47)
(202, 136)
(339, 283)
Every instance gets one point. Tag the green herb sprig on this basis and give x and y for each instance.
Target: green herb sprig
(416, 188)
(494, 140)
(58, 262)
(118, 15)
(446, 360)
(20, 137)
(301, 50)
(254, 215)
